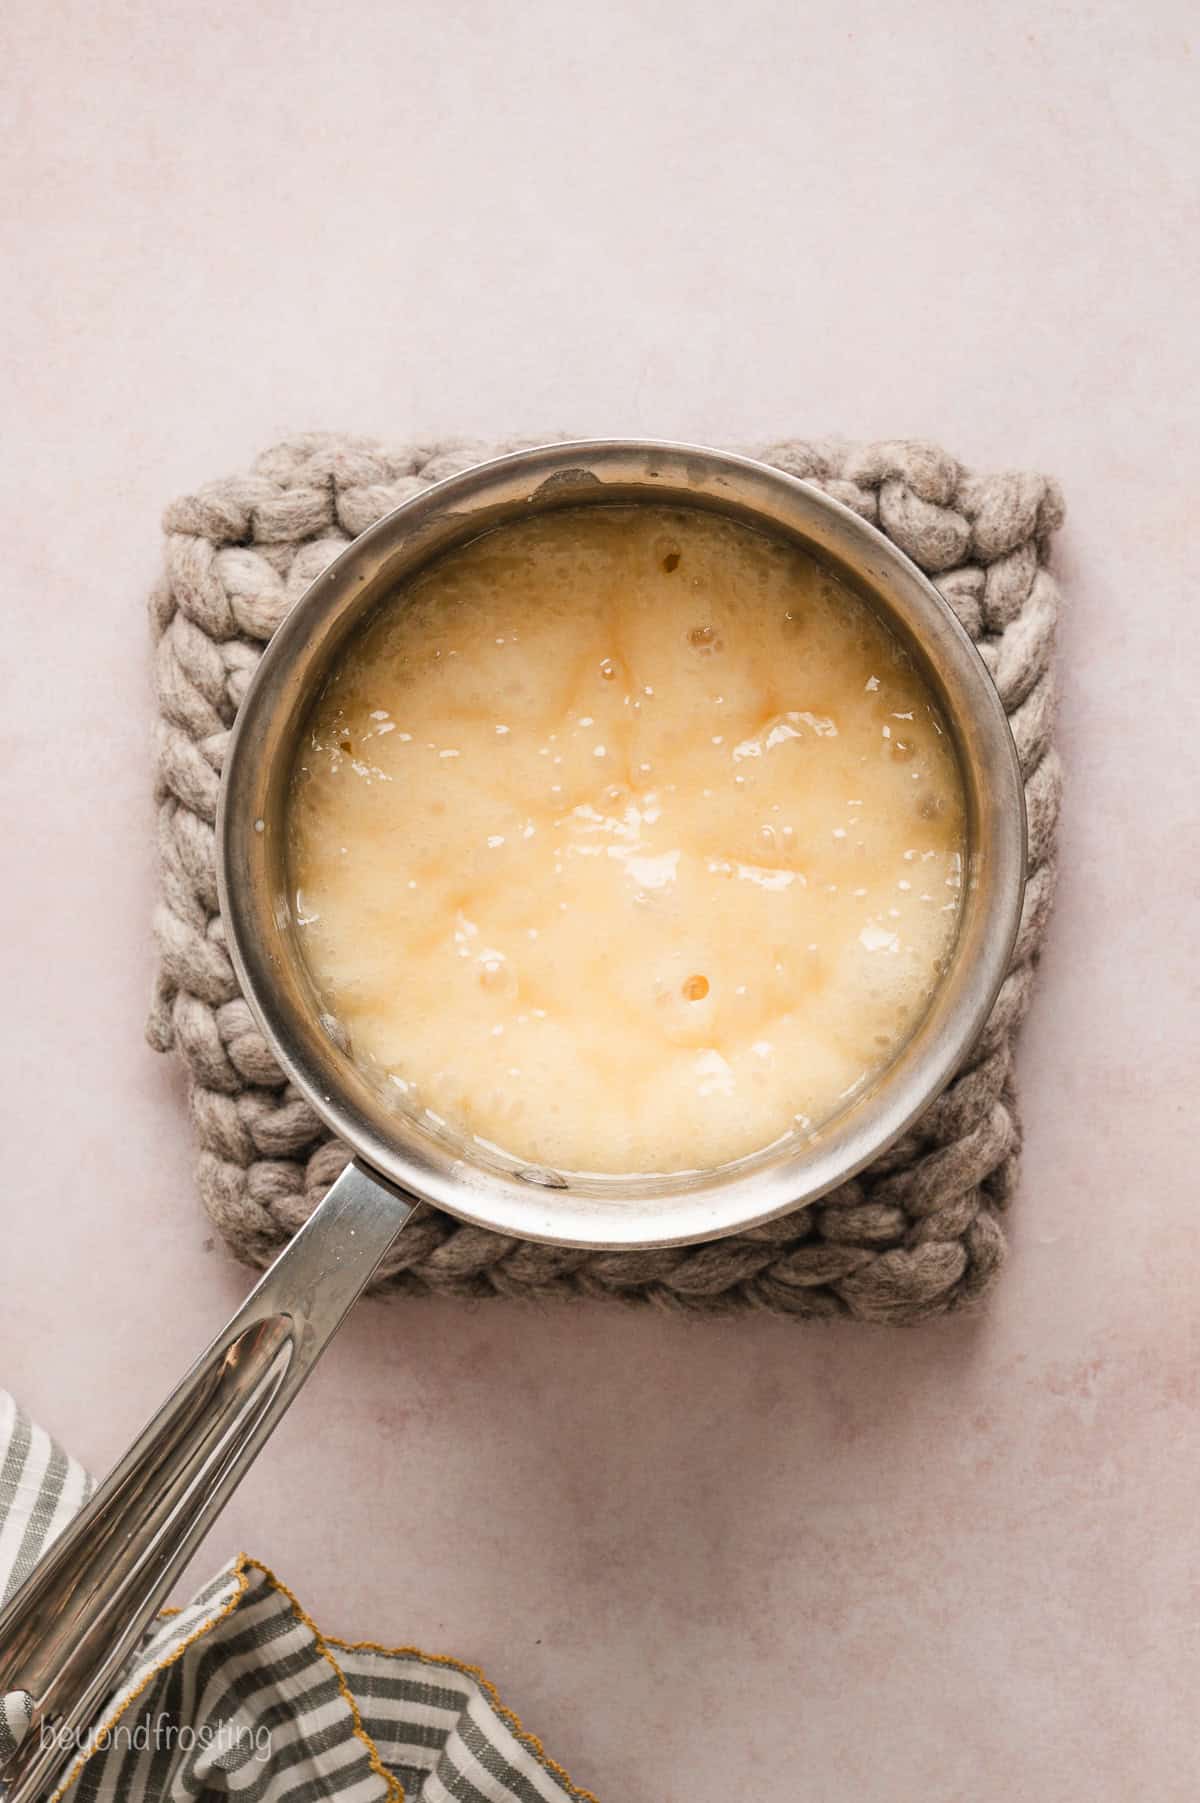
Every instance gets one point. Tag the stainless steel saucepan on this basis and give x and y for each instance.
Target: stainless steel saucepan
(68, 1630)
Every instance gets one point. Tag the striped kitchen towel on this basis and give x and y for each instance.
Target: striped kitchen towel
(240, 1695)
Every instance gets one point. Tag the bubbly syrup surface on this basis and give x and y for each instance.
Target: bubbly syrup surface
(626, 839)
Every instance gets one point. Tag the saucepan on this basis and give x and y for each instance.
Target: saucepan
(65, 1634)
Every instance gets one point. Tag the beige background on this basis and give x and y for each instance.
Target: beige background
(704, 1561)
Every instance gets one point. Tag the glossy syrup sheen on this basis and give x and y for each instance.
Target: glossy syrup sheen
(626, 839)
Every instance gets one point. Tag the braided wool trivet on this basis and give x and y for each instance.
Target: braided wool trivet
(919, 1232)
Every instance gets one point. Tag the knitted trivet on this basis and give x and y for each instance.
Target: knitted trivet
(920, 1231)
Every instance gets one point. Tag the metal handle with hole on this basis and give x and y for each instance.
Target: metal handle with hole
(70, 1627)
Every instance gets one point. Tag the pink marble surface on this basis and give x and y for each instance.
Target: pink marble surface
(703, 1561)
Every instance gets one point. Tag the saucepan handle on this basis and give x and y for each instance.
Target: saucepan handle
(68, 1630)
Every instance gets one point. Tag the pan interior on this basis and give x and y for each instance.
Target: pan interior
(427, 1156)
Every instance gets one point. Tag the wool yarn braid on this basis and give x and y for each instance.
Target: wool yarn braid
(920, 1232)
